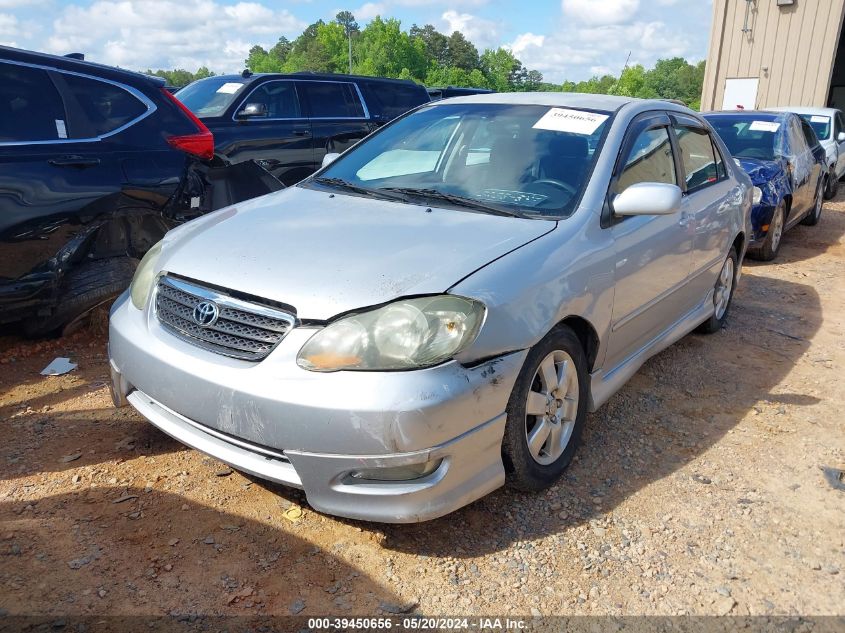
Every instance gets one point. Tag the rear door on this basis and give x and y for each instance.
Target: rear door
(801, 166)
(280, 140)
(57, 171)
(706, 200)
(339, 116)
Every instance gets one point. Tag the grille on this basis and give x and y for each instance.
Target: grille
(244, 330)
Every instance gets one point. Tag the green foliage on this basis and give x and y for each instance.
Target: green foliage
(425, 55)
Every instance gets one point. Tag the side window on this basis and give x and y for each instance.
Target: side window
(809, 134)
(30, 106)
(650, 160)
(105, 107)
(333, 100)
(697, 157)
(839, 126)
(279, 97)
(721, 170)
(797, 144)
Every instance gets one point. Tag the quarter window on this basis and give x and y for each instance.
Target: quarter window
(280, 99)
(333, 100)
(30, 106)
(697, 156)
(650, 160)
(105, 107)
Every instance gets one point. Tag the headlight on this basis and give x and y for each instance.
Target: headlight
(408, 334)
(144, 277)
(757, 196)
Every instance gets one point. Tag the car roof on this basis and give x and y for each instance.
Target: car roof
(306, 75)
(76, 65)
(759, 115)
(551, 99)
(807, 110)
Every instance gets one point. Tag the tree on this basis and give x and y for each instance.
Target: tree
(350, 26)
(436, 44)
(384, 49)
(461, 52)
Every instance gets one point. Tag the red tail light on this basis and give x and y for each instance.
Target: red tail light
(200, 144)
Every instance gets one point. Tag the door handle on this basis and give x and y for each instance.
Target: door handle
(685, 218)
(302, 133)
(74, 161)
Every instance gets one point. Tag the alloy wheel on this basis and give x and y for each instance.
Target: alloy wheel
(724, 287)
(552, 407)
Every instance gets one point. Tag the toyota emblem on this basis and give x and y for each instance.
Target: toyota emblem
(206, 313)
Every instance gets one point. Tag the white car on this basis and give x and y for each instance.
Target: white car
(829, 125)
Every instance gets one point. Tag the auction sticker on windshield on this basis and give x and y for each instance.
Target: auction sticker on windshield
(229, 88)
(572, 121)
(764, 126)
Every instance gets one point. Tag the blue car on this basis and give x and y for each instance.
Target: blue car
(781, 154)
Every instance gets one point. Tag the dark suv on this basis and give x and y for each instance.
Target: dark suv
(287, 123)
(96, 164)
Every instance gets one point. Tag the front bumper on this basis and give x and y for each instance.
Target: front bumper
(311, 430)
(761, 216)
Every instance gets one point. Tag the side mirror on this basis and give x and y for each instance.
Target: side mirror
(329, 158)
(648, 198)
(251, 110)
(840, 137)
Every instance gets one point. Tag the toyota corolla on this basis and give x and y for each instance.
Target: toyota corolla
(433, 313)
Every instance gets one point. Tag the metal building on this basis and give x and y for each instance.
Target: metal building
(767, 53)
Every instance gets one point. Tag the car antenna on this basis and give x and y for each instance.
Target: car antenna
(79, 56)
(246, 73)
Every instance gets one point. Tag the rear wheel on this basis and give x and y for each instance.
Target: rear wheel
(832, 185)
(546, 411)
(815, 215)
(86, 287)
(723, 292)
(771, 245)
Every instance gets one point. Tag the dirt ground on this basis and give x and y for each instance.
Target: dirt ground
(699, 489)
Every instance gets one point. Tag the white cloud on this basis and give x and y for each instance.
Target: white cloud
(602, 12)
(195, 33)
(368, 11)
(8, 25)
(575, 52)
(481, 32)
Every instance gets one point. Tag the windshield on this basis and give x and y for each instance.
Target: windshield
(210, 97)
(518, 159)
(819, 123)
(748, 137)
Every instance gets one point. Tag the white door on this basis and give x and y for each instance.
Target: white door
(740, 94)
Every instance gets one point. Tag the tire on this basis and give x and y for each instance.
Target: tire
(774, 236)
(723, 293)
(84, 288)
(812, 218)
(538, 470)
(832, 185)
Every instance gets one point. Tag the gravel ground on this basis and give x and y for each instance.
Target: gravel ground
(699, 489)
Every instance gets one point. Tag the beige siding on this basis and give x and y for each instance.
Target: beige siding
(789, 49)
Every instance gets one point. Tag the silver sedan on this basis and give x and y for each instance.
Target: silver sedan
(434, 312)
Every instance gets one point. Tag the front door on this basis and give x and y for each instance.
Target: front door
(279, 139)
(652, 252)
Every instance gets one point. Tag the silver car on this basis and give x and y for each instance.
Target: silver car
(433, 313)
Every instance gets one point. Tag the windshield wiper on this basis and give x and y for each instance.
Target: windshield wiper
(340, 183)
(461, 201)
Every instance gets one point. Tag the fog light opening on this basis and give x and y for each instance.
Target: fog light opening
(397, 473)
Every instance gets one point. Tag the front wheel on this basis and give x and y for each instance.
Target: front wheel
(771, 244)
(723, 292)
(546, 411)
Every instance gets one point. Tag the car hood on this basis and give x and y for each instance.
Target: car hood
(326, 254)
(760, 171)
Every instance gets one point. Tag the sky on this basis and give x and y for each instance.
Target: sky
(563, 39)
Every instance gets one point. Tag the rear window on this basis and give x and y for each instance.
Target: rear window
(391, 100)
(332, 100)
(210, 97)
(30, 106)
(105, 107)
